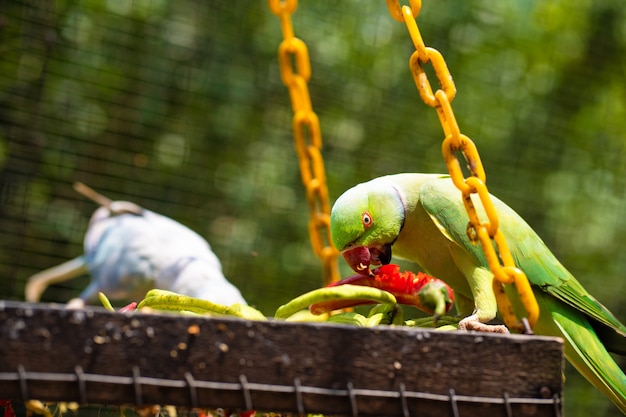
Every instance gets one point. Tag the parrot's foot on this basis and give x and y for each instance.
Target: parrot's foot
(472, 323)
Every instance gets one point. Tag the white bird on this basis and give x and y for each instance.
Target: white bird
(130, 250)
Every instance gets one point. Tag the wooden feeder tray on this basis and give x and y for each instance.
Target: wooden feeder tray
(93, 356)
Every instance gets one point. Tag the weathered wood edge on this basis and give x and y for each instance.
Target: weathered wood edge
(251, 359)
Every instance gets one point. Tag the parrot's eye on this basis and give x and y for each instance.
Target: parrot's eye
(366, 219)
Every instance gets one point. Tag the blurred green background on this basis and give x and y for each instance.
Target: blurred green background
(178, 106)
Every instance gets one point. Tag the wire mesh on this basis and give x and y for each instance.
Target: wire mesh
(195, 389)
(178, 106)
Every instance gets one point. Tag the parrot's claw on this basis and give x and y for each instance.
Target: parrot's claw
(472, 323)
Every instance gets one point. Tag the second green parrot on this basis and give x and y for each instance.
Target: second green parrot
(421, 218)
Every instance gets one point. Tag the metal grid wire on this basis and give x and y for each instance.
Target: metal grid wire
(350, 393)
(158, 103)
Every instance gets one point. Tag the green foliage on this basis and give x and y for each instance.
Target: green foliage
(178, 106)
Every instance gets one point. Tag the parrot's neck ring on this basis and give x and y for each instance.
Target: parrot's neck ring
(404, 206)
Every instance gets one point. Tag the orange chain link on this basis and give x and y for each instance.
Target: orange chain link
(486, 233)
(295, 72)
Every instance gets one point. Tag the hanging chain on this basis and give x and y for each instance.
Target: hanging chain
(295, 72)
(506, 272)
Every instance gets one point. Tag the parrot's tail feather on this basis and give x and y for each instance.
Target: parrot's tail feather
(614, 339)
(92, 194)
(114, 207)
(38, 283)
(588, 355)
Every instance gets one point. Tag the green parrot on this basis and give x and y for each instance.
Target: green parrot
(423, 219)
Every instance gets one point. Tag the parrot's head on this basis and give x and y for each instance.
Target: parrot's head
(364, 222)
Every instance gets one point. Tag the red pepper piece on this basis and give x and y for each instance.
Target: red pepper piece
(130, 307)
(420, 290)
(8, 408)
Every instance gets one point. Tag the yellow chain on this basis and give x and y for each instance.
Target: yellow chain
(295, 72)
(506, 273)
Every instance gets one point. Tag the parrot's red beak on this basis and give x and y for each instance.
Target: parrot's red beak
(358, 259)
(361, 257)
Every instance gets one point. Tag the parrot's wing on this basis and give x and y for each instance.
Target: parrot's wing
(443, 202)
(545, 271)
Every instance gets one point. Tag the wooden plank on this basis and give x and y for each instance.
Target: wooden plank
(100, 357)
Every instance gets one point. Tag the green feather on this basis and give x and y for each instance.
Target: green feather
(433, 234)
(528, 250)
